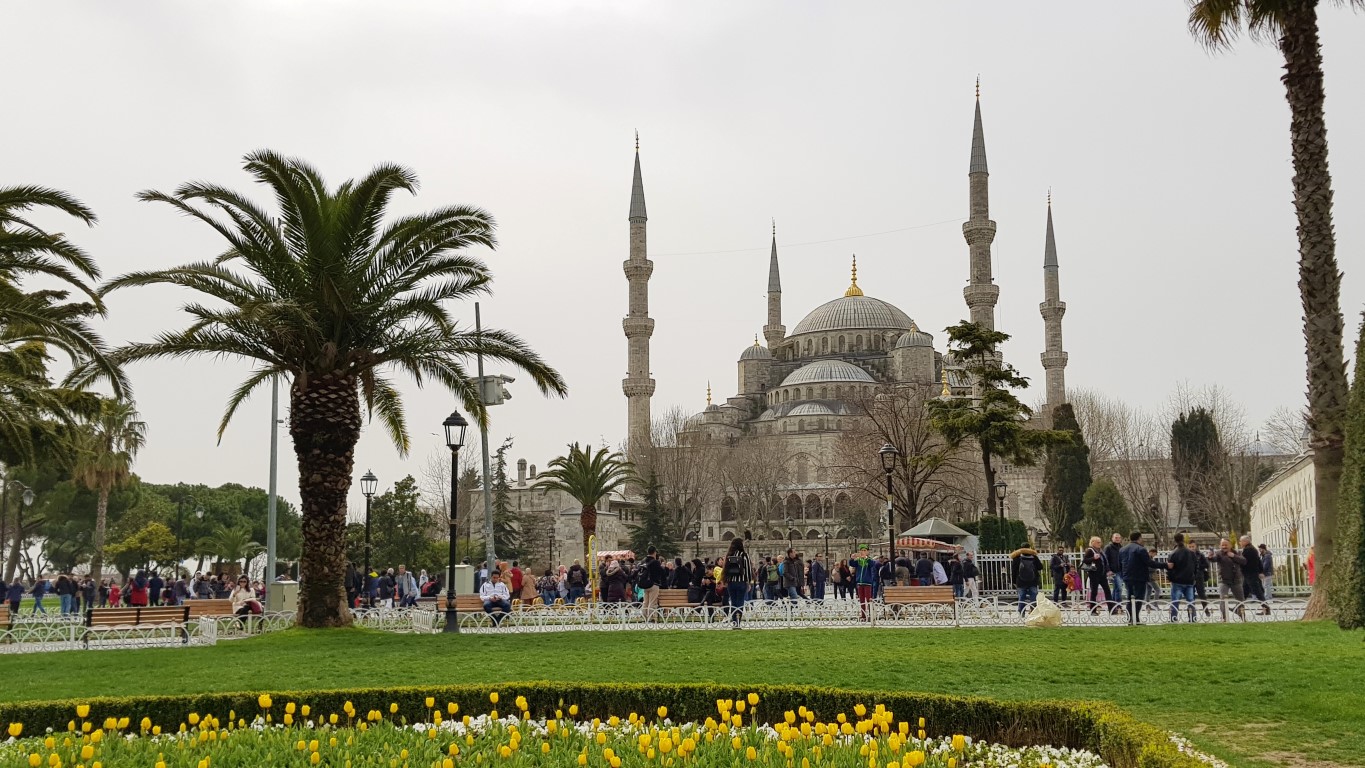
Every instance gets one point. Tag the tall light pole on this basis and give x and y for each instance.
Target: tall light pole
(272, 496)
(368, 485)
(888, 455)
(180, 526)
(490, 551)
(25, 500)
(455, 427)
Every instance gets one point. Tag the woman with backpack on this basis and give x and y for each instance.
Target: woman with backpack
(735, 572)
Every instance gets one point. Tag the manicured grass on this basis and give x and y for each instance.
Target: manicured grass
(1255, 695)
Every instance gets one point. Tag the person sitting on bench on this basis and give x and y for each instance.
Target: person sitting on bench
(244, 600)
(495, 597)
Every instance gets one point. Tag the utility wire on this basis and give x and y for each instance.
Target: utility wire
(816, 242)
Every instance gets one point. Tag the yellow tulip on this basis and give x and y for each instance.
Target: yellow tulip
(288, 719)
(34, 761)
(545, 747)
(452, 708)
(663, 712)
(87, 752)
(393, 708)
(521, 703)
(615, 762)
(859, 710)
(493, 697)
(736, 743)
(959, 742)
(264, 701)
(314, 758)
(739, 706)
(751, 753)
(789, 716)
(582, 758)
(15, 729)
(573, 710)
(753, 699)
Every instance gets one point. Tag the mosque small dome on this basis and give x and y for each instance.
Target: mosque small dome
(914, 338)
(755, 352)
(828, 370)
(811, 409)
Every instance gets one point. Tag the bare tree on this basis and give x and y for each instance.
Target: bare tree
(434, 488)
(1285, 430)
(753, 473)
(924, 463)
(686, 471)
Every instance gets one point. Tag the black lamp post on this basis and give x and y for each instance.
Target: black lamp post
(888, 454)
(26, 500)
(180, 526)
(368, 485)
(455, 427)
(1000, 489)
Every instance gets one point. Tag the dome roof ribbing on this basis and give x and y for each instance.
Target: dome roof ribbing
(811, 409)
(853, 313)
(914, 338)
(828, 370)
(755, 352)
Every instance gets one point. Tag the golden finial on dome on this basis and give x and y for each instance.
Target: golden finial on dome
(755, 340)
(854, 290)
(946, 391)
(708, 393)
(913, 327)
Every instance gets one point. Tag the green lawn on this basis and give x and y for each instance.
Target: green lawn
(1255, 695)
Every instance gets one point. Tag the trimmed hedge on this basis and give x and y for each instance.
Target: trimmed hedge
(1121, 740)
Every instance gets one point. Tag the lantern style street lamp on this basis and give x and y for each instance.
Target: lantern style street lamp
(1000, 490)
(455, 426)
(889, 455)
(368, 485)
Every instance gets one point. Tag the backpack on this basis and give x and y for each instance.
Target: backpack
(772, 575)
(1028, 572)
(576, 578)
(734, 567)
(643, 579)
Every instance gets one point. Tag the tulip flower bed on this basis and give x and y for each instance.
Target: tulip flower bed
(296, 735)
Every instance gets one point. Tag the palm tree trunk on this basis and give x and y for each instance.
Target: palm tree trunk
(1319, 278)
(325, 425)
(588, 519)
(101, 519)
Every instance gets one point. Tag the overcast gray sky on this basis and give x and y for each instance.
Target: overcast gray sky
(849, 123)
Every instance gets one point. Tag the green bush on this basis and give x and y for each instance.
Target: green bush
(1122, 741)
(996, 534)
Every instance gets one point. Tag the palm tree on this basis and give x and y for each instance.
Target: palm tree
(231, 545)
(330, 297)
(106, 447)
(587, 477)
(27, 250)
(1293, 25)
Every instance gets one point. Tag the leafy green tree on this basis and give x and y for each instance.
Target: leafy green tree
(106, 448)
(1197, 459)
(1105, 510)
(1347, 591)
(654, 527)
(588, 477)
(153, 542)
(1293, 24)
(400, 528)
(997, 534)
(506, 537)
(231, 545)
(1066, 476)
(997, 421)
(333, 299)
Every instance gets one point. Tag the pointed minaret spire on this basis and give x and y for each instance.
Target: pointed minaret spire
(1052, 310)
(981, 292)
(638, 326)
(853, 289)
(774, 332)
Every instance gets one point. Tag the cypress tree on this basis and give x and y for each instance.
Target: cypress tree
(506, 539)
(1196, 455)
(1066, 476)
(1346, 590)
(1105, 510)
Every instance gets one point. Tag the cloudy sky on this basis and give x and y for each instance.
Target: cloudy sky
(849, 123)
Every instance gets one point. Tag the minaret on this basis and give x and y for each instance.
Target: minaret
(638, 326)
(1052, 309)
(774, 332)
(981, 291)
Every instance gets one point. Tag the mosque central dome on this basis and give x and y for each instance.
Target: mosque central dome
(855, 312)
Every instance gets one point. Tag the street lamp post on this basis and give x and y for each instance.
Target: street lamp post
(180, 526)
(1000, 489)
(888, 455)
(368, 485)
(26, 500)
(455, 426)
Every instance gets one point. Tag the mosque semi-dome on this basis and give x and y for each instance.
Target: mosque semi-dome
(755, 352)
(914, 338)
(856, 312)
(828, 370)
(811, 409)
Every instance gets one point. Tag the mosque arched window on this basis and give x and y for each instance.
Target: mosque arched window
(793, 509)
(824, 345)
(841, 343)
(838, 392)
(802, 476)
(824, 393)
(810, 393)
(812, 507)
(800, 425)
(858, 343)
(807, 347)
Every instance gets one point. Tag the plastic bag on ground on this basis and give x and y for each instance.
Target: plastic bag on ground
(1045, 613)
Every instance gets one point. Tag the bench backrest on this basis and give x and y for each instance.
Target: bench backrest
(175, 614)
(4, 615)
(673, 598)
(465, 603)
(217, 606)
(940, 594)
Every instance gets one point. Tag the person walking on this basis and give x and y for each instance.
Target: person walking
(837, 576)
(1251, 572)
(155, 586)
(1059, 565)
(1229, 563)
(1267, 573)
(735, 577)
(793, 573)
(577, 580)
(817, 578)
(1113, 565)
(970, 575)
(14, 595)
(955, 577)
(64, 589)
(1026, 571)
(865, 577)
(40, 589)
(1137, 570)
(1095, 566)
(924, 570)
(648, 578)
(1182, 570)
(405, 585)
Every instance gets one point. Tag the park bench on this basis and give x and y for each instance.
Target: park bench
(116, 620)
(898, 599)
(211, 607)
(4, 617)
(463, 603)
(675, 601)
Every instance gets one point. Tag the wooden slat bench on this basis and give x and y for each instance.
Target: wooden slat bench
(111, 619)
(897, 598)
(4, 617)
(463, 603)
(675, 600)
(211, 607)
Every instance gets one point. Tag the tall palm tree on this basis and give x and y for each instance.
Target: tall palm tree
(106, 447)
(330, 297)
(588, 477)
(1293, 25)
(27, 250)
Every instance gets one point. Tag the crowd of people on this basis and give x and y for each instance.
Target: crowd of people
(76, 594)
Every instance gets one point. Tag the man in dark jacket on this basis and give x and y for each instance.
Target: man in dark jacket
(1137, 566)
(817, 578)
(1251, 572)
(1181, 569)
(1201, 577)
(1058, 567)
(154, 587)
(1026, 570)
(924, 570)
(1114, 567)
(1229, 563)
